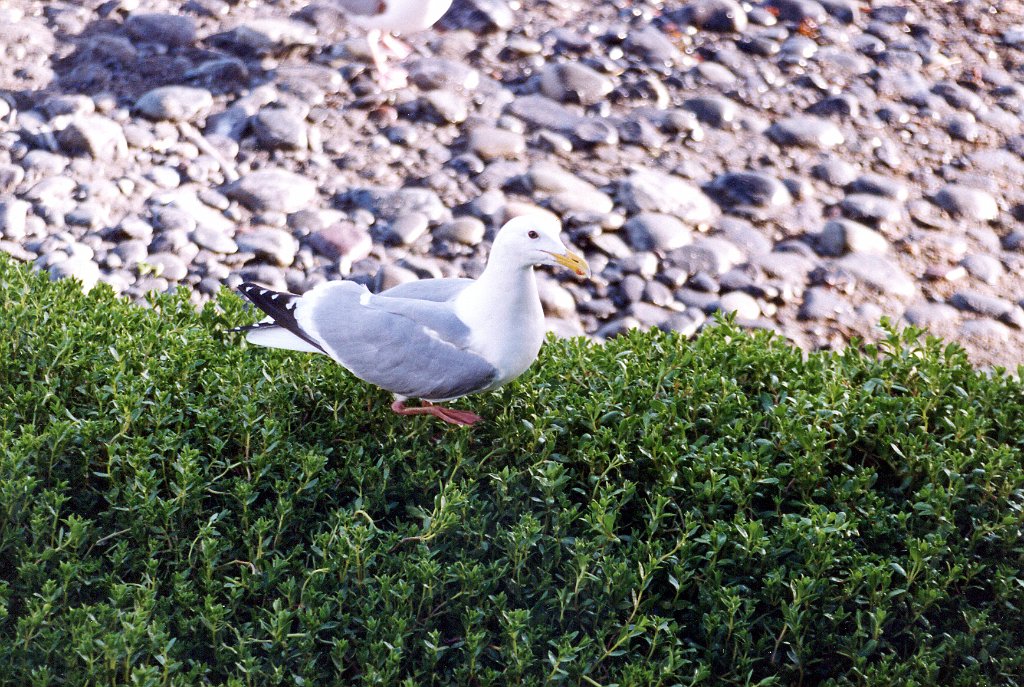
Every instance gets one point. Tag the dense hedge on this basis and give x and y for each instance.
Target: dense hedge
(179, 508)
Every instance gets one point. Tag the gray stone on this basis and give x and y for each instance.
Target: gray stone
(276, 245)
(446, 105)
(652, 45)
(990, 306)
(711, 255)
(611, 244)
(744, 305)
(879, 273)
(267, 36)
(168, 265)
(786, 265)
(93, 135)
(801, 10)
(389, 205)
(13, 218)
(556, 300)
(171, 30)
(714, 110)
(213, 239)
(657, 232)
(968, 203)
(544, 113)
(752, 188)
(390, 276)
(985, 331)
(927, 314)
(574, 82)
(835, 172)
(492, 143)
(867, 207)
(345, 242)
(987, 268)
(821, 303)
(273, 190)
(805, 131)
(469, 231)
(879, 185)
(77, 267)
(174, 103)
(283, 129)
(743, 235)
(407, 228)
(841, 236)
(432, 73)
(715, 15)
(650, 190)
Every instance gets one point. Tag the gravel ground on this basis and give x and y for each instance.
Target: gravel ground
(810, 165)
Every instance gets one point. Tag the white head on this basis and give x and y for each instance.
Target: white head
(534, 240)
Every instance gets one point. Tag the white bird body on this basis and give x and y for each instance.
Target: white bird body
(510, 352)
(382, 18)
(402, 16)
(436, 339)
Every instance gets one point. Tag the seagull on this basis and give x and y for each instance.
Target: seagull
(434, 339)
(382, 18)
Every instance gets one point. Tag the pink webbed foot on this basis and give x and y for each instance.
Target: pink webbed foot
(450, 415)
(395, 45)
(389, 78)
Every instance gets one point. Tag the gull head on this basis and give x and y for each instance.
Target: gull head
(534, 240)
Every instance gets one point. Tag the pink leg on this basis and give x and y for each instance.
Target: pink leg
(395, 45)
(387, 77)
(449, 415)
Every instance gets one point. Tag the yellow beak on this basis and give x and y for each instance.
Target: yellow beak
(573, 262)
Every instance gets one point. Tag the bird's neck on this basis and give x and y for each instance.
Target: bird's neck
(508, 288)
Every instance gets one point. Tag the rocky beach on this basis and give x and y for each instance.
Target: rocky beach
(810, 165)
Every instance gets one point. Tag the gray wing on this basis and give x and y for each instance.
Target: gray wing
(409, 347)
(429, 289)
(368, 8)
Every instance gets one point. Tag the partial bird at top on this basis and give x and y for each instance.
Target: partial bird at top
(383, 18)
(434, 339)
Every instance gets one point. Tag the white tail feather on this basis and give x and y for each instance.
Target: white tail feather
(279, 337)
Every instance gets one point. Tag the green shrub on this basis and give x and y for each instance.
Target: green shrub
(178, 508)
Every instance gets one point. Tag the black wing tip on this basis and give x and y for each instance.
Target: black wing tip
(254, 327)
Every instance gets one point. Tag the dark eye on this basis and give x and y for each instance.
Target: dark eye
(533, 234)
